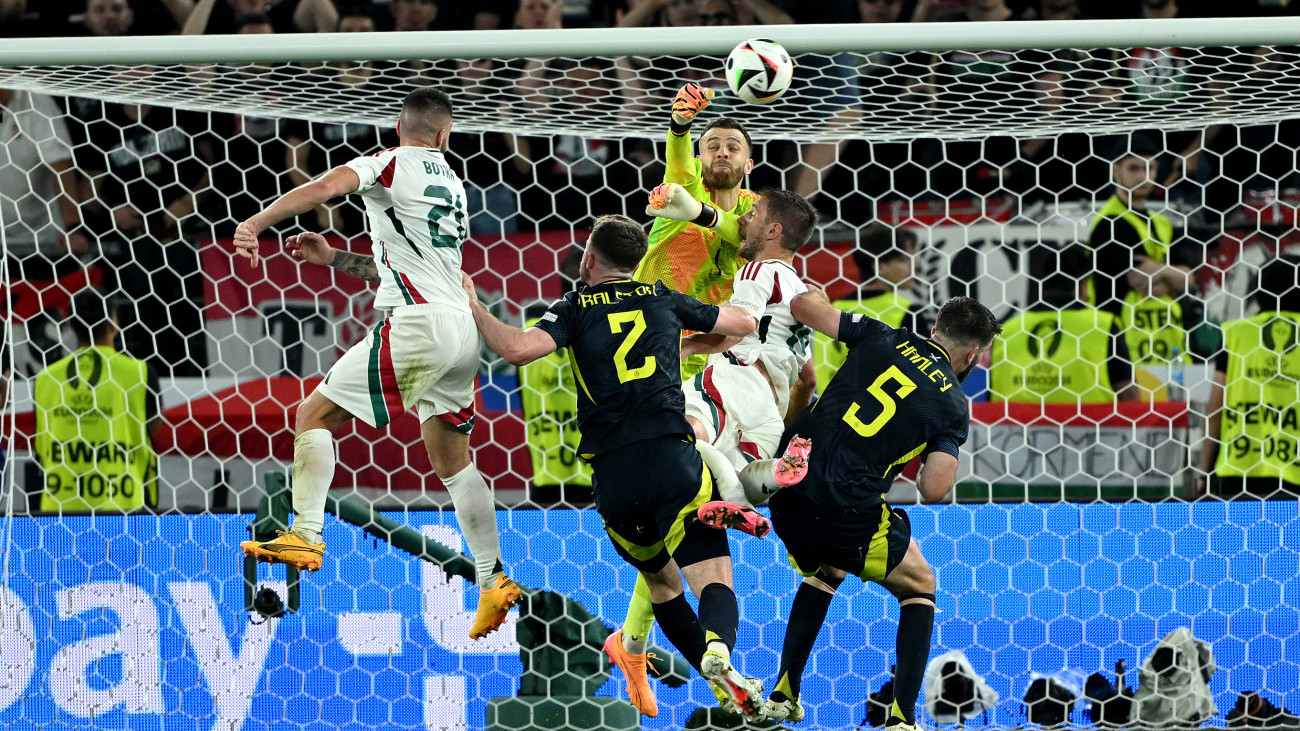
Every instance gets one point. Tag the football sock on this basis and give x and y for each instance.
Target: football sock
(757, 480)
(807, 614)
(313, 471)
(682, 628)
(724, 474)
(915, 624)
(477, 515)
(640, 619)
(719, 615)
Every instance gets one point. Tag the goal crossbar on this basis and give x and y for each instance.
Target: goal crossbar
(506, 44)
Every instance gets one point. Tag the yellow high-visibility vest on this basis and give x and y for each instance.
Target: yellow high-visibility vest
(1049, 356)
(1260, 428)
(1153, 326)
(92, 435)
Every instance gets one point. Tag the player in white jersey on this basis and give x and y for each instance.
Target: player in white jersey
(423, 354)
(739, 402)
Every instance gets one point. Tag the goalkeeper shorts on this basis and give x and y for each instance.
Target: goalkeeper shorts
(421, 355)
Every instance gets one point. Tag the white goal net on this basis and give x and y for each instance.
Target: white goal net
(1141, 177)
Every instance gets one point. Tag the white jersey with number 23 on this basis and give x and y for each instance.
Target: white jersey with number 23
(416, 207)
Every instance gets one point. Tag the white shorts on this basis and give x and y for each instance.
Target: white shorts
(740, 416)
(420, 355)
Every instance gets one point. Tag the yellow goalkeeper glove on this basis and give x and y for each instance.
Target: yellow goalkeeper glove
(691, 100)
(672, 201)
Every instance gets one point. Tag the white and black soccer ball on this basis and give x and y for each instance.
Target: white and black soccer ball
(759, 70)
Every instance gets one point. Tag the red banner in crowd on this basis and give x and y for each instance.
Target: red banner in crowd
(23, 298)
(524, 267)
(254, 420)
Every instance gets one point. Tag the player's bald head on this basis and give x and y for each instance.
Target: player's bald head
(426, 112)
(619, 242)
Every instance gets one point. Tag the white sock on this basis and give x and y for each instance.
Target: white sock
(758, 481)
(720, 648)
(313, 471)
(724, 475)
(476, 512)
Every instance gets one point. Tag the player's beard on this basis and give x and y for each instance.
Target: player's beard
(749, 249)
(722, 181)
(961, 377)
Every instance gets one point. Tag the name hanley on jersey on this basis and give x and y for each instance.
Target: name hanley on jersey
(924, 365)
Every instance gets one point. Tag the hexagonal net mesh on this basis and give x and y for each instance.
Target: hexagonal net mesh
(1128, 213)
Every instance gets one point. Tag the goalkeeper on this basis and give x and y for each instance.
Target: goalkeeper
(694, 248)
(700, 256)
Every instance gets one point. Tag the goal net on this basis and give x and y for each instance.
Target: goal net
(1078, 536)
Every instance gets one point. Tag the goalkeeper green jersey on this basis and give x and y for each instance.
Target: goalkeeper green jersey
(689, 258)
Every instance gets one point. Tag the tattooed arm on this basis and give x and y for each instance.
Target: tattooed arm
(313, 249)
(358, 265)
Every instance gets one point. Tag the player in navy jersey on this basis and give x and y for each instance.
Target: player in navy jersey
(648, 480)
(898, 395)
(737, 404)
(424, 353)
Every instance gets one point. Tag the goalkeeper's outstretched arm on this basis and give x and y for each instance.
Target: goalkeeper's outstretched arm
(674, 202)
(679, 163)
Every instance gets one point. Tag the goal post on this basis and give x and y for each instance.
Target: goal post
(1071, 542)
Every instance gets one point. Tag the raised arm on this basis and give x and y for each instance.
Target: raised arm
(339, 181)
(678, 160)
(679, 163)
(197, 20)
(518, 347)
(768, 13)
(316, 16)
(814, 309)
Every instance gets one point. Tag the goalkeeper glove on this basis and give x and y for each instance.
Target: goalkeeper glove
(691, 100)
(672, 201)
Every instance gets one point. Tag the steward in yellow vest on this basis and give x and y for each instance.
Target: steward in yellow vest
(1061, 351)
(884, 260)
(550, 401)
(95, 411)
(1127, 239)
(1255, 401)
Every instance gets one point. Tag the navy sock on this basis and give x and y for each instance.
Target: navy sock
(915, 624)
(719, 614)
(682, 628)
(807, 615)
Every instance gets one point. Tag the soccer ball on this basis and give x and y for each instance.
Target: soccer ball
(759, 70)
